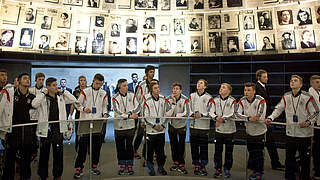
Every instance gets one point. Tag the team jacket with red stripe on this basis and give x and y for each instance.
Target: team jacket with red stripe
(316, 95)
(203, 104)
(256, 108)
(91, 98)
(225, 108)
(306, 110)
(6, 108)
(123, 106)
(34, 114)
(157, 108)
(181, 110)
(142, 91)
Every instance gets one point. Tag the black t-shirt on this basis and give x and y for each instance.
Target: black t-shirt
(53, 112)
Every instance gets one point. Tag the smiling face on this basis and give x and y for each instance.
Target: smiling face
(303, 16)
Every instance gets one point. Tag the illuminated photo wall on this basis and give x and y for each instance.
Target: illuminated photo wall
(160, 27)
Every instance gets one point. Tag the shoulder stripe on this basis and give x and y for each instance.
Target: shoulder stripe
(84, 94)
(4, 91)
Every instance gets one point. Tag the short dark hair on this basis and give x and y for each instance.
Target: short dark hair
(98, 77)
(204, 81)
(250, 84)
(153, 84)
(301, 11)
(3, 70)
(62, 79)
(134, 74)
(22, 74)
(149, 68)
(259, 73)
(177, 84)
(50, 80)
(120, 81)
(39, 74)
(286, 33)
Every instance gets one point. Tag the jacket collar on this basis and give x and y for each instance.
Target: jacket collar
(123, 95)
(298, 94)
(156, 99)
(38, 88)
(254, 97)
(224, 98)
(202, 93)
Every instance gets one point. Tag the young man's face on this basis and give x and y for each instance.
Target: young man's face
(264, 78)
(150, 74)
(25, 81)
(53, 87)
(176, 91)
(295, 83)
(249, 92)
(224, 90)
(63, 83)
(123, 87)
(82, 82)
(39, 81)
(97, 84)
(315, 84)
(285, 16)
(156, 90)
(201, 85)
(135, 78)
(3, 77)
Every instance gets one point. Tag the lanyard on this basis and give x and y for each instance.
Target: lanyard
(295, 108)
(125, 105)
(94, 99)
(157, 110)
(222, 110)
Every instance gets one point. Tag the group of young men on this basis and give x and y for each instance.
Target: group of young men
(148, 113)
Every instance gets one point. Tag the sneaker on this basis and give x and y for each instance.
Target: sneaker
(136, 155)
(151, 170)
(252, 176)
(95, 170)
(78, 173)
(162, 171)
(258, 176)
(218, 173)
(227, 173)
(203, 172)
(182, 169)
(57, 178)
(121, 170)
(130, 170)
(196, 170)
(174, 167)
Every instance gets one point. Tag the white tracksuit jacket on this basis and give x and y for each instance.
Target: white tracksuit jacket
(315, 94)
(157, 108)
(225, 108)
(123, 107)
(257, 107)
(181, 110)
(6, 109)
(34, 114)
(42, 104)
(203, 104)
(306, 110)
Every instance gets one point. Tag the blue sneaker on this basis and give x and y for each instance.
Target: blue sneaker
(151, 169)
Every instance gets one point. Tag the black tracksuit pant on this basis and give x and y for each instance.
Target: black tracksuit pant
(272, 148)
(255, 146)
(221, 139)
(155, 144)
(125, 153)
(140, 132)
(177, 143)
(199, 147)
(316, 151)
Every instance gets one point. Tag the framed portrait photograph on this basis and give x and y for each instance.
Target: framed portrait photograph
(285, 17)
(98, 41)
(114, 47)
(99, 21)
(231, 21)
(80, 46)
(6, 37)
(115, 30)
(26, 38)
(179, 26)
(250, 43)
(93, 3)
(165, 44)
(233, 44)
(214, 22)
(62, 41)
(215, 42)
(30, 15)
(195, 23)
(196, 44)
(46, 22)
(83, 23)
(304, 16)
(131, 25)
(165, 4)
(124, 4)
(288, 40)
(180, 45)
(164, 27)
(149, 23)
(307, 39)
(44, 41)
(267, 42)
(149, 43)
(317, 9)
(131, 45)
(198, 4)
(265, 20)
(182, 4)
(234, 3)
(146, 4)
(248, 21)
(215, 4)
(64, 20)
(10, 14)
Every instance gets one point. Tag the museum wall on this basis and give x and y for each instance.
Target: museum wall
(160, 27)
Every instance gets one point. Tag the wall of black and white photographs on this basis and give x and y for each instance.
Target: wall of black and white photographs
(160, 27)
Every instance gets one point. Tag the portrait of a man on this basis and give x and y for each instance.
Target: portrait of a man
(195, 24)
(233, 44)
(44, 42)
(115, 30)
(30, 15)
(131, 25)
(196, 44)
(249, 42)
(285, 17)
(288, 40)
(7, 37)
(149, 23)
(46, 24)
(318, 14)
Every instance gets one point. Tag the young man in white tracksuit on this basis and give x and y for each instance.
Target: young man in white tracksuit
(200, 103)
(156, 106)
(223, 110)
(94, 104)
(301, 111)
(51, 106)
(252, 108)
(177, 128)
(314, 91)
(124, 129)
